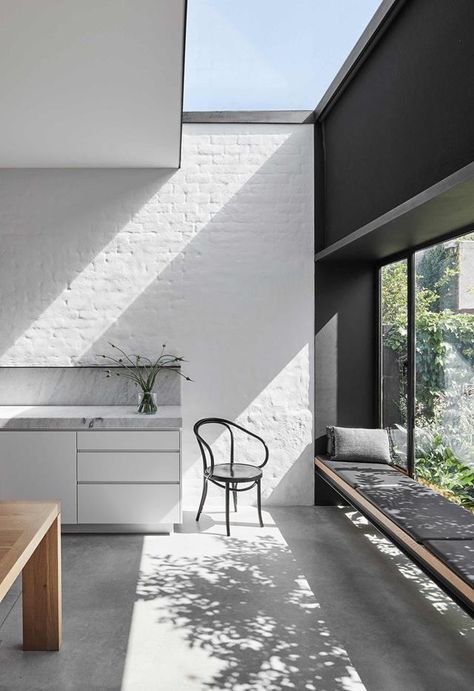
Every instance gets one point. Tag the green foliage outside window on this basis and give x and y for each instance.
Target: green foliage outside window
(444, 337)
(438, 466)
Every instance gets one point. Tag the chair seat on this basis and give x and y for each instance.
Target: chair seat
(237, 472)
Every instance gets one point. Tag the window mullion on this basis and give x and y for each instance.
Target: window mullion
(411, 365)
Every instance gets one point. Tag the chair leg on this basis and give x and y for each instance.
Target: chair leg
(203, 498)
(259, 503)
(235, 497)
(227, 517)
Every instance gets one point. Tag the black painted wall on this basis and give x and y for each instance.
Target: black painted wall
(345, 347)
(406, 119)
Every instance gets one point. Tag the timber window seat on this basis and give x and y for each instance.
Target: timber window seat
(436, 533)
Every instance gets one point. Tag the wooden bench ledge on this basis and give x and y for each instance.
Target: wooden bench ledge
(417, 550)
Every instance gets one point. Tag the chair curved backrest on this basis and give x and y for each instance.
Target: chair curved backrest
(205, 447)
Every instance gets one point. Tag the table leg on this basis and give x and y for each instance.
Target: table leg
(42, 616)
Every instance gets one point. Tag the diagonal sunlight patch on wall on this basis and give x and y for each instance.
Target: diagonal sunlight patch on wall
(227, 614)
(288, 402)
(144, 247)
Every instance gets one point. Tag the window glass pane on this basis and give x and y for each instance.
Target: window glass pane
(394, 315)
(444, 407)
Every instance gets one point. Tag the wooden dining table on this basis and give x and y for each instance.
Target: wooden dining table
(30, 544)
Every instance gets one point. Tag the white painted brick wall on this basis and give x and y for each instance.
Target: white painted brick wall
(216, 259)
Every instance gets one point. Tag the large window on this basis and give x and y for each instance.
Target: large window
(444, 410)
(428, 310)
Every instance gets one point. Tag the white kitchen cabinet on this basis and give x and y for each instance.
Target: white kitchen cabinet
(142, 504)
(128, 477)
(103, 478)
(39, 466)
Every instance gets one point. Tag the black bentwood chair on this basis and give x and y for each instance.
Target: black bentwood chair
(229, 475)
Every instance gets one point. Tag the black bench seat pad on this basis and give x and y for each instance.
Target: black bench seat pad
(458, 555)
(422, 513)
(359, 473)
(356, 465)
(373, 478)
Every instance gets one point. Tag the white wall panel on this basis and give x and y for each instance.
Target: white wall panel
(91, 83)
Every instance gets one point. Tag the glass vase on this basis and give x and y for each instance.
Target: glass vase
(147, 402)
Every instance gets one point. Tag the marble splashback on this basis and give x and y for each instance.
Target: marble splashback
(78, 386)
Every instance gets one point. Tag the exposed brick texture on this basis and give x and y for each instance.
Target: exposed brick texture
(215, 259)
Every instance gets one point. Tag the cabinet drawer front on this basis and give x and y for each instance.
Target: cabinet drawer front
(128, 504)
(128, 441)
(128, 466)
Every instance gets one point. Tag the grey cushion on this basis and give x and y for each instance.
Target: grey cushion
(359, 444)
(398, 441)
(423, 514)
(330, 440)
(457, 554)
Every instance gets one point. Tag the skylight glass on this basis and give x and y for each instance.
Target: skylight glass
(268, 54)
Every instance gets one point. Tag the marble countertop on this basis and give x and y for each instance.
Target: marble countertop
(18, 417)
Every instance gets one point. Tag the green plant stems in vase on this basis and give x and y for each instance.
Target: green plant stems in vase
(142, 371)
(147, 402)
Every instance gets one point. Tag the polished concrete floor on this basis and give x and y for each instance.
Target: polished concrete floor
(317, 600)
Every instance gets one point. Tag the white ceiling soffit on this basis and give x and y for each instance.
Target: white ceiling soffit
(91, 83)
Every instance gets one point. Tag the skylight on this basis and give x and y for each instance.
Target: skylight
(268, 54)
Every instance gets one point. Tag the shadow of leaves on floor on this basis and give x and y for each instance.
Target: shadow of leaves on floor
(249, 607)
